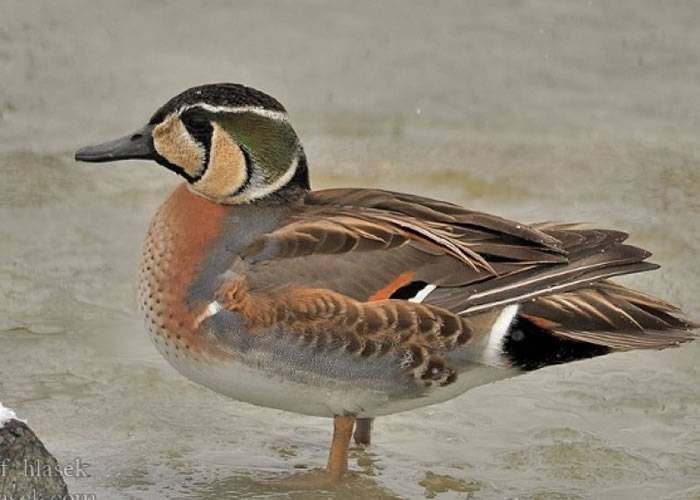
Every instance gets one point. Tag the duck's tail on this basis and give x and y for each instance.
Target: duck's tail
(592, 321)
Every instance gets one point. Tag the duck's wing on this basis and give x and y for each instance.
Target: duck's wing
(610, 315)
(591, 255)
(475, 238)
(369, 243)
(393, 272)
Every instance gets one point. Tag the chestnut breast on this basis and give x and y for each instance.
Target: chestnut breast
(190, 243)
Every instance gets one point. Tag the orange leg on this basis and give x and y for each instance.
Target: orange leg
(338, 458)
(363, 431)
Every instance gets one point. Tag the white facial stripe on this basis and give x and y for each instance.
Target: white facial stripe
(273, 115)
(499, 330)
(258, 190)
(257, 186)
(421, 295)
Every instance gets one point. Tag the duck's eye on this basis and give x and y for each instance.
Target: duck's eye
(196, 123)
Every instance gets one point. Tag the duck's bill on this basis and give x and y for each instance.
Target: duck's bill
(136, 146)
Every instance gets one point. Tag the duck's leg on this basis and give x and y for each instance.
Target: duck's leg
(363, 430)
(338, 458)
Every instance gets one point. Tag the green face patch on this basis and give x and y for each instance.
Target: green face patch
(271, 144)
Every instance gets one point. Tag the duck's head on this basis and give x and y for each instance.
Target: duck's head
(232, 143)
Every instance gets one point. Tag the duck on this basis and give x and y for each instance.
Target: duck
(353, 303)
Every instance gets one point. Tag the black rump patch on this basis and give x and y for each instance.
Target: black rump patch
(409, 291)
(530, 347)
(219, 94)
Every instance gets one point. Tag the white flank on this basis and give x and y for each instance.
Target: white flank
(499, 330)
(421, 295)
(6, 415)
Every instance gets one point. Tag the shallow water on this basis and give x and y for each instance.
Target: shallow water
(534, 110)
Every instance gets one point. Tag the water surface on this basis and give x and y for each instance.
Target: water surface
(535, 110)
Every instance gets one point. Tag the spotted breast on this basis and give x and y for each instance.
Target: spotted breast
(176, 245)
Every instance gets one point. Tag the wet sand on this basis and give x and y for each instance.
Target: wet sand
(536, 110)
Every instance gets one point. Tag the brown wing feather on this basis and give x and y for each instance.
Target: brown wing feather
(357, 241)
(339, 247)
(426, 209)
(317, 232)
(338, 221)
(593, 254)
(610, 315)
(327, 320)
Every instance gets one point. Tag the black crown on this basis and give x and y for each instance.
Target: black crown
(219, 94)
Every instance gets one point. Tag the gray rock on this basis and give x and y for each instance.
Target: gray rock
(27, 469)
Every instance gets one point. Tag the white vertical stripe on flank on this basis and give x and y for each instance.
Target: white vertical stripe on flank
(422, 294)
(499, 330)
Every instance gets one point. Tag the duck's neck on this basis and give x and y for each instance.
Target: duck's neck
(296, 188)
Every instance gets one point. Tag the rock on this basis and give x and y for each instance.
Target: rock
(27, 469)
